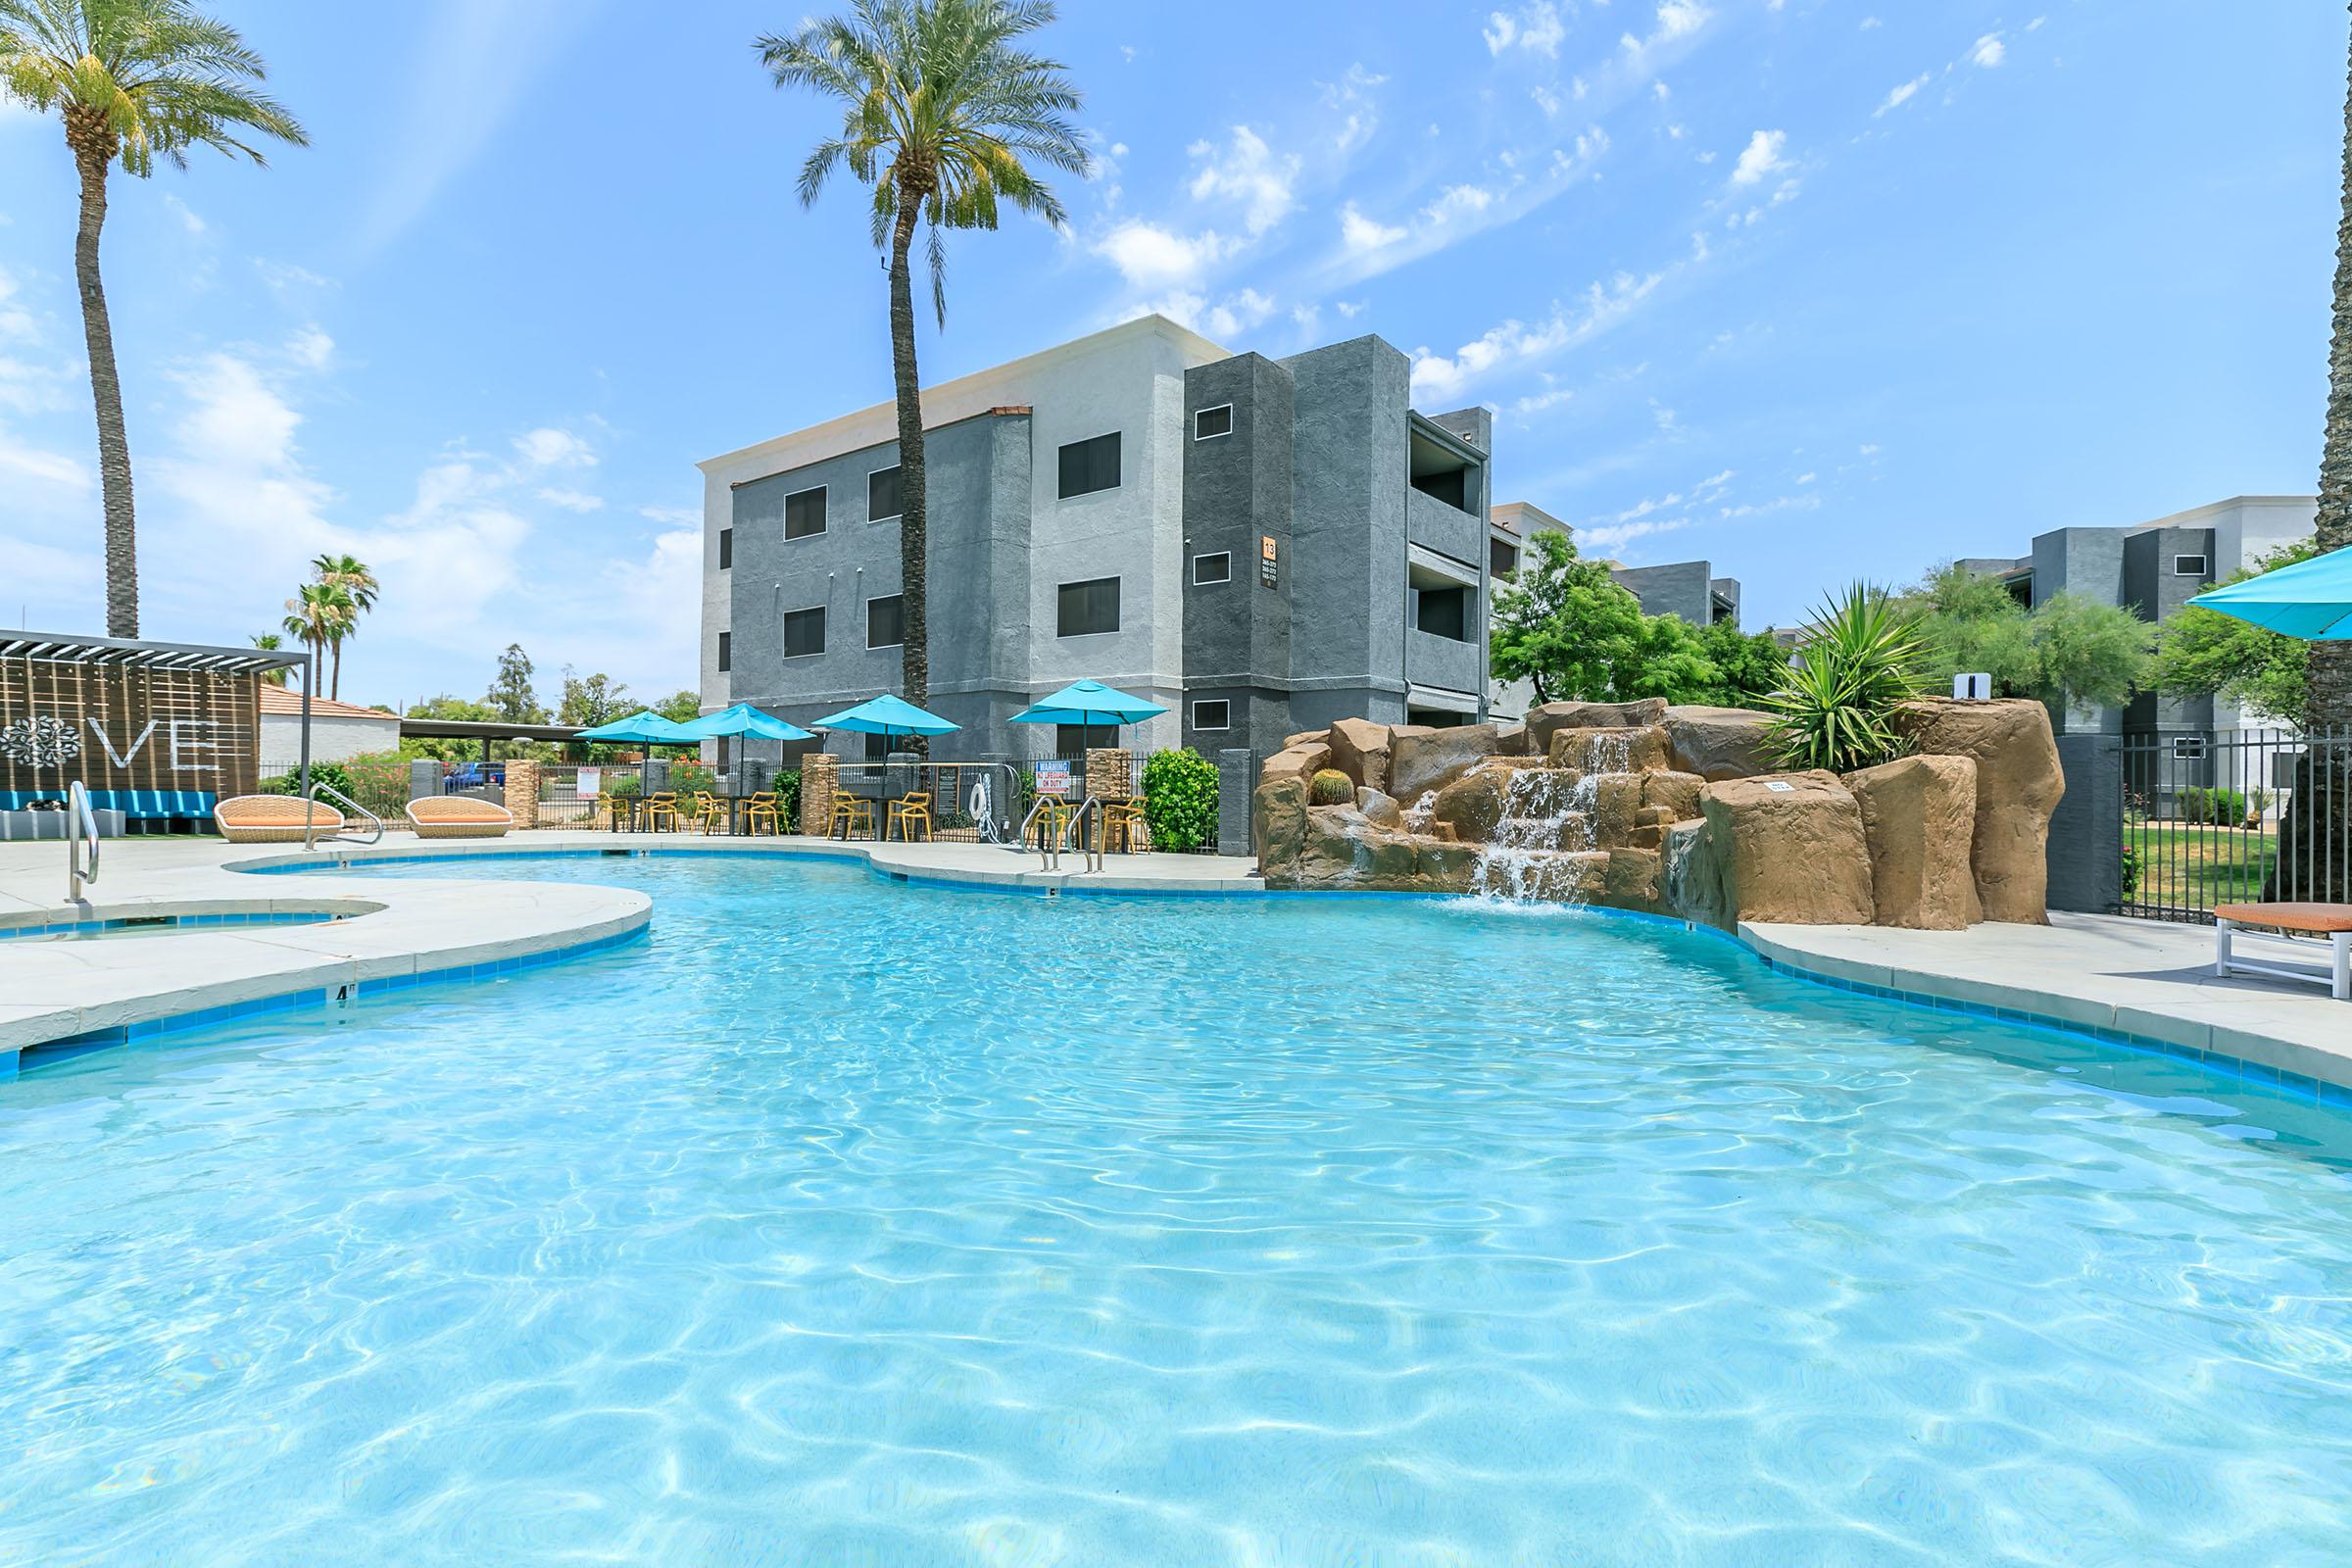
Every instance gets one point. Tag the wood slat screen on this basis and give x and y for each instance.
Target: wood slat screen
(127, 729)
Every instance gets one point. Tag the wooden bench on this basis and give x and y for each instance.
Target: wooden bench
(2331, 921)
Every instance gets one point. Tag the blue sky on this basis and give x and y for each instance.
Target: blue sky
(1812, 288)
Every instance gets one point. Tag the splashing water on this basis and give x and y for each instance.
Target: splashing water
(1545, 818)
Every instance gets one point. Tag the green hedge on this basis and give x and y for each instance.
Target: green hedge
(2223, 807)
(1180, 800)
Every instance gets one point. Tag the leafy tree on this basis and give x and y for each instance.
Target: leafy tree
(271, 642)
(357, 581)
(2202, 652)
(318, 614)
(2087, 653)
(133, 80)
(679, 707)
(590, 699)
(1748, 668)
(441, 747)
(2070, 651)
(944, 116)
(511, 696)
(1572, 632)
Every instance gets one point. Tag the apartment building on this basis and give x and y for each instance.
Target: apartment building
(1262, 545)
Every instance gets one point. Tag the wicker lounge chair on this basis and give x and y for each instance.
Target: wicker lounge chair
(458, 817)
(272, 819)
(2332, 921)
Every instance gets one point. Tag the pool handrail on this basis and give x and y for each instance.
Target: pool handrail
(81, 828)
(310, 819)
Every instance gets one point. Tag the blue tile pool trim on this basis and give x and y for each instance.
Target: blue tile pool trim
(61, 928)
(319, 997)
(2256, 1076)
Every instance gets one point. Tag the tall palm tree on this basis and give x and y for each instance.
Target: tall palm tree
(269, 642)
(134, 81)
(317, 614)
(347, 573)
(941, 114)
(2330, 704)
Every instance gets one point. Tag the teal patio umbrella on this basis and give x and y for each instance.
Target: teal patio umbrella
(1089, 702)
(743, 720)
(2311, 598)
(887, 715)
(644, 727)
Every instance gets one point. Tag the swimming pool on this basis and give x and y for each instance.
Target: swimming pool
(845, 1221)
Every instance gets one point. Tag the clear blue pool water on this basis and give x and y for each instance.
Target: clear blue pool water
(849, 1222)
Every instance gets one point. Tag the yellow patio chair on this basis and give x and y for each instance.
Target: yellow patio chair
(1122, 820)
(761, 807)
(606, 812)
(851, 814)
(702, 809)
(1054, 821)
(661, 811)
(907, 810)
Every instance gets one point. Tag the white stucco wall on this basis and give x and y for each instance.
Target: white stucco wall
(332, 739)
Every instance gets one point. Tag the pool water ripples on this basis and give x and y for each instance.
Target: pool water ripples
(854, 1222)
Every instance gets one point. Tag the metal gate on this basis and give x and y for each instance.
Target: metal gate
(2235, 816)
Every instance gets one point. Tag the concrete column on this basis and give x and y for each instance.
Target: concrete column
(425, 779)
(1237, 777)
(523, 791)
(2086, 851)
(820, 777)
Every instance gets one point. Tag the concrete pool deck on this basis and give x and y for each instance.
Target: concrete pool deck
(2136, 978)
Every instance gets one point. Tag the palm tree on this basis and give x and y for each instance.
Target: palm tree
(347, 573)
(2329, 703)
(941, 114)
(132, 79)
(269, 642)
(317, 614)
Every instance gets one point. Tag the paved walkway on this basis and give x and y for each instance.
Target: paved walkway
(2141, 978)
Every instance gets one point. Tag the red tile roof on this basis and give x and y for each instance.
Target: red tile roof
(287, 700)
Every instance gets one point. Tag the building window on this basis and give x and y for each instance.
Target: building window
(885, 622)
(804, 513)
(1212, 712)
(803, 632)
(1076, 740)
(2188, 748)
(1210, 423)
(1089, 465)
(726, 547)
(1443, 612)
(880, 746)
(1214, 567)
(726, 651)
(1502, 559)
(1088, 607)
(882, 495)
(2188, 566)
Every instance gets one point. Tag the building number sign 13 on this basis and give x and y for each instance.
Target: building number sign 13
(1269, 570)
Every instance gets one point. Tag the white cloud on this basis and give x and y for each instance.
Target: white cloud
(1805, 479)
(1545, 99)
(38, 465)
(1661, 91)
(1150, 256)
(1611, 536)
(1353, 96)
(549, 447)
(1350, 309)
(1988, 51)
(1459, 202)
(1901, 95)
(1249, 173)
(1361, 234)
(285, 276)
(676, 517)
(1601, 308)
(1761, 157)
(1869, 448)
(1537, 401)
(310, 348)
(1535, 28)
(1870, 24)
(1677, 19)
(187, 217)
(571, 500)
(1239, 314)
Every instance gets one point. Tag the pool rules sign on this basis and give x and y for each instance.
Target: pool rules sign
(126, 729)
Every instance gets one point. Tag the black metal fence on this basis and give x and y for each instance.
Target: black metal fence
(2235, 816)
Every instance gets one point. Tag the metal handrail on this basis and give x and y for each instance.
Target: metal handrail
(82, 827)
(310, 819)
(1049, 847)
(1090, 850)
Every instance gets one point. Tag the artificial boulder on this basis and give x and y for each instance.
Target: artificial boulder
(1344, 849)
(1788, 848)
(1419, 763)
(1676, 793)
(1634, 877)
(1379, 810)
(1919, 816)
(1359, 749)
(1640, 749)
(1278, 827)
(1302, 762)
(1718, 743)
(1306, 737)
(2018, 784)
(1543, 720)
(1473, 805)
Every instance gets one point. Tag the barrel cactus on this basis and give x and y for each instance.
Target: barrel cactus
(1331, 787)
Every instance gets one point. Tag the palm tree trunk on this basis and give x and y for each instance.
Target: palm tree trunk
(92, 142)
(334, 682)
(914, 518)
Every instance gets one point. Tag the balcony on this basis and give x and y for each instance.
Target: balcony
(1434, 661)
(1448, 530)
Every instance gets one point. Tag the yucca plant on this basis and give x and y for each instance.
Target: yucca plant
(1854, 671)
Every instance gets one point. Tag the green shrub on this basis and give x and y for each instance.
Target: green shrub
(1854, 671)
(2131, 870)
(330, 774)
(787, 785)
(2218, 806)
(625, 785)
(688, 777)
(1180, 800)
(1331, 787)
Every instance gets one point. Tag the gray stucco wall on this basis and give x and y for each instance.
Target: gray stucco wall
(2156, 592)
(2086, 847)
(1679, 588)
(1237, 493)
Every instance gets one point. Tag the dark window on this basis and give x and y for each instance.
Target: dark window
(1501, 559)
(1217, 568)
(726, 648)
(804, 513)
(1089, 465)
(1212, 423)
(2188, 566)
(1450, 487)
(1088, 607)
(885, 622)
(803, 632)
(880, 746)
(726, 547)
(1443, 612)
(881, 495)
(1072, 740)
(1212, 712)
